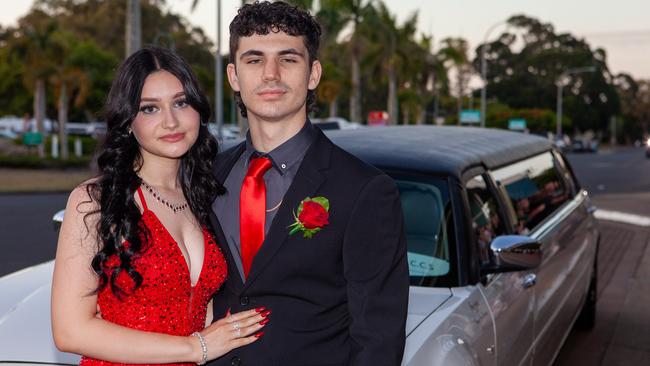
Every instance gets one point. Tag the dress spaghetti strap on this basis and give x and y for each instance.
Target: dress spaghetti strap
(142, 200)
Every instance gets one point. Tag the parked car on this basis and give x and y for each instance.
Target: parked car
(8, 133)
(227, 132)
(335, 123)
(583, 145)
(502, 248)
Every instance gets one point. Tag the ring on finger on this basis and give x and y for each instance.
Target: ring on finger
(238, 333)
(236, 326)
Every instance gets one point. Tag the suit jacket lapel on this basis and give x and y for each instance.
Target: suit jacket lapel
(306, 182)
(222, 168)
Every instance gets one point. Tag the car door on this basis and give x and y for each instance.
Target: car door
(541, 205)
(509, 295)
(566, 267)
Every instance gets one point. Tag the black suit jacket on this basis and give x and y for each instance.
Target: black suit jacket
(338, 298)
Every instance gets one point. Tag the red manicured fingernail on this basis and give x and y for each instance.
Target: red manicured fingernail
(264, 321)
(265, 313)
(259, 334)
(260, 309)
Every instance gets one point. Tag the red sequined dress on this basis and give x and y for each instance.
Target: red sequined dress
(166, 302)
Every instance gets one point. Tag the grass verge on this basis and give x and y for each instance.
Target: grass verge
(46, 180)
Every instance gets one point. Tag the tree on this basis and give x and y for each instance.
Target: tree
(525, 63)
(635, 105)
(454, 53)
(29, 51)
(406, 62)
(34, 48)
(69, 79)
(350, 13)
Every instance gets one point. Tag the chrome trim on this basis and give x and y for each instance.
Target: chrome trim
(515, 253)
(57, 219)
(529, 280)
(559, 215)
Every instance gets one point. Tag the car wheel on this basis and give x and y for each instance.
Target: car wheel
(587, 318)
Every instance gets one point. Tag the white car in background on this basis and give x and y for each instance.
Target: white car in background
(502, 250)
(335, 123)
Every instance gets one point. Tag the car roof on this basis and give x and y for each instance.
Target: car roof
(438, 149)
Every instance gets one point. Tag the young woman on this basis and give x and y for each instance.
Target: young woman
(136, 263)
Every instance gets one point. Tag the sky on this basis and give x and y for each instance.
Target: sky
(621, 27)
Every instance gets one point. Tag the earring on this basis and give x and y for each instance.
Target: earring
(129, 130)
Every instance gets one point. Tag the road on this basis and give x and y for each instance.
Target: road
(617, 180)
(27, 234)
(625, 170)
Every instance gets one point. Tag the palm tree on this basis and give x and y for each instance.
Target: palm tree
(67, 80)
(335, 79)
(241, 121)
(454, 53)
(133, 37)
(402, 58)
(351, 13)
(38, 66)
(382, 24)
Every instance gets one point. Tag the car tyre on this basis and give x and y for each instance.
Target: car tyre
(587, 318)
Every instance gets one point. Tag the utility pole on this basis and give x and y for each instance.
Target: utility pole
(484, 71)
(560, 86)
(218, 83)
(133, 35)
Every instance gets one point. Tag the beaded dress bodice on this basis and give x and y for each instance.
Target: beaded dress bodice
(166, 302)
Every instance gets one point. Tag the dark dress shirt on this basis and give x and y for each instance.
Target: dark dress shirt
(286, 160)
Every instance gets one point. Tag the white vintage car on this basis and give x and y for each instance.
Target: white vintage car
(502, 250)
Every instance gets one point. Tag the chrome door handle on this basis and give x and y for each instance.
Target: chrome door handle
(530, 280)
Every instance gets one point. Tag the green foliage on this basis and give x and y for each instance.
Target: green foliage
(15, 98)
(80, 44)
(537, 120)
(35, 162)
(88, 144)
(525, 64)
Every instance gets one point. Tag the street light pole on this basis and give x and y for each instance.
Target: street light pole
(560, 87)
(558, 113)
(218, 94)
(484, 71)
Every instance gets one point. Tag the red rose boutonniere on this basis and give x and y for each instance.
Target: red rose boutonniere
(312, 215)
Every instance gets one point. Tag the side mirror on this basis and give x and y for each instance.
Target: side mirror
(514, 253)
(57, 219)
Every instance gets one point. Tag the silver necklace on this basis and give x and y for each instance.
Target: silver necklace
(175, 206)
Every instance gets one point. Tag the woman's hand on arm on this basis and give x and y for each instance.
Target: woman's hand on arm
(234, 331)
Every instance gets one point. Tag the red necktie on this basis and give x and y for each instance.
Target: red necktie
(252, 210)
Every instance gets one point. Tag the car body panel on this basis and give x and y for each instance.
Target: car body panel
(511, 307)
(569, 244)
(459, 332)
(24, 309)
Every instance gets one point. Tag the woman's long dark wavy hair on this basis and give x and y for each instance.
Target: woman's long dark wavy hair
(119, 161)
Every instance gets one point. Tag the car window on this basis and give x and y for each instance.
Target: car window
(565, 170)
(534, 188)
(487, 224)
(428, 222)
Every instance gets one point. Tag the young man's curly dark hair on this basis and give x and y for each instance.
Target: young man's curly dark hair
(264, 17)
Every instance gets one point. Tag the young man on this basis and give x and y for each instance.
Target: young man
(311, 233)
